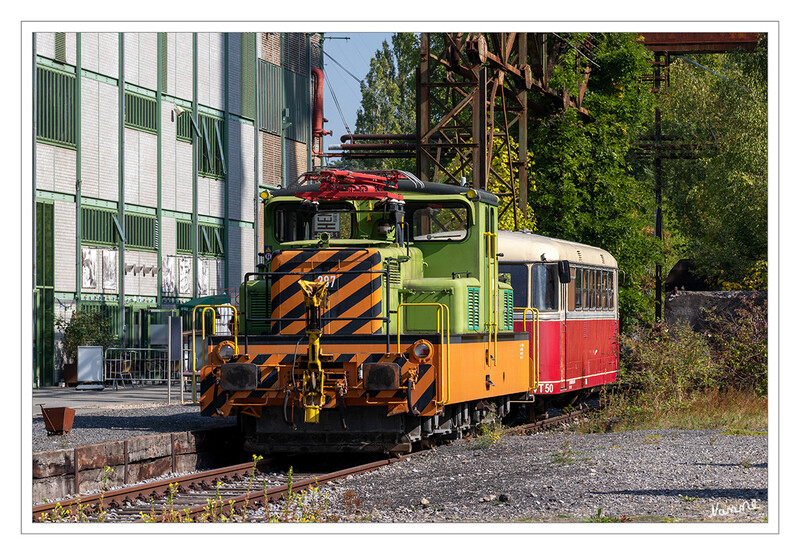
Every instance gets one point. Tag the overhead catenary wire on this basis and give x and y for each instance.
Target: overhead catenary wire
(711, 71)
(336, 102)
(365, 86)
(577, 50)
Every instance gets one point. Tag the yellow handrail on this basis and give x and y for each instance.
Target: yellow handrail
(441, 325)
(213, 308)
(492, 324)
(535, 357)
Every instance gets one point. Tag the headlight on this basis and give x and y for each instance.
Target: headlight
(226, 351)
(421, 351)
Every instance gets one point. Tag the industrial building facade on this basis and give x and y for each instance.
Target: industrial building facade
(151, 152)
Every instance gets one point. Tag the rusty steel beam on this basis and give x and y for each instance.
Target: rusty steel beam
(699, 42)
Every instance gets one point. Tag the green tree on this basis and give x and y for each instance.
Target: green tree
(388, 97)
(717, 200)
(584, 185)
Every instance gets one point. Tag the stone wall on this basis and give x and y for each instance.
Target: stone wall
(68, 472)
(692, 305)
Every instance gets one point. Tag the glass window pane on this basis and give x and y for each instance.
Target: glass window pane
(439, 222)
(518, 276)
(544, 286)
(578, 289)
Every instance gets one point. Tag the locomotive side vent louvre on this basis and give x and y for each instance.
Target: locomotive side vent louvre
(393, 267)
(508, 315)
(473, 308)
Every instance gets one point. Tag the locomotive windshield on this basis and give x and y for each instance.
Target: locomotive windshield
(301, 223)
(446, 221)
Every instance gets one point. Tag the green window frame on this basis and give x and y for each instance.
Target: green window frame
(141, 232)
(97, 226)
(212, 160)
(211, 239)
(140, 112)
(184, 126)
(183, 237)
(55, 107)
(100, 227)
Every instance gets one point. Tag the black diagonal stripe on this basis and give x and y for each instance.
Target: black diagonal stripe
(270, 380)
(260, 359)
(423, 369)
(218, 399)
(344, 358)
(346, 304)
(426, 397)
(295, 259)
(288, 359)
(354, 325)
(374, 357)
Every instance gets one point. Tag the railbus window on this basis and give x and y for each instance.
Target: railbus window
(598, 290)
(611, 291)
(517, 274)
(578, 289)
(605, 290)
(544, 286)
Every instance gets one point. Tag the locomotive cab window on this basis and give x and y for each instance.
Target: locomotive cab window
(295, 222)
(446, 221)
(517, 276)
(544, 286)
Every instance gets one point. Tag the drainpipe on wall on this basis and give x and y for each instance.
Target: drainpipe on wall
(121, 189)
(159, 231)
(226, 152)
(78, 174)
(258, 154)
(195, 145)
(34, 353)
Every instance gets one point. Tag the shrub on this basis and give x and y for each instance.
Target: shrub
(667, 364)
(739, 343)
(84, 328)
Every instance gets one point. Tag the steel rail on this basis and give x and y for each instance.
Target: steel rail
(161, 489)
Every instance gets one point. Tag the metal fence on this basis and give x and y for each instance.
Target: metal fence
(137, 366)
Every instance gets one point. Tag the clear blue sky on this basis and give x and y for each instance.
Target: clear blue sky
(354, 55)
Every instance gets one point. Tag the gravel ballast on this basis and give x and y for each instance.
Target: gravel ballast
(642, 476)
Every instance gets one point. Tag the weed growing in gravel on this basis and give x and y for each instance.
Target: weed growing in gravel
(688, 498)
(652, 439)
(352, 503)
(600, 517)
(307, 506)
(735, 432)
(490, 433)
(81, 511)
(565, 456)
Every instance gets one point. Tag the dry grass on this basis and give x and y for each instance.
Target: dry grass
(705, 410)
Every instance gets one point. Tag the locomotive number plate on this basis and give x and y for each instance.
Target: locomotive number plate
(331, 280)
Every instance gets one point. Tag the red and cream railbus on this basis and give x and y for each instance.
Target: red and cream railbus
(565, 296)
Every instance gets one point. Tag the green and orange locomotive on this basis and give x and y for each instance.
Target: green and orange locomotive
(379, 321)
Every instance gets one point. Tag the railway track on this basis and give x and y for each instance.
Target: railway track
(209, 495)
(221, 492)
(548, 423)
